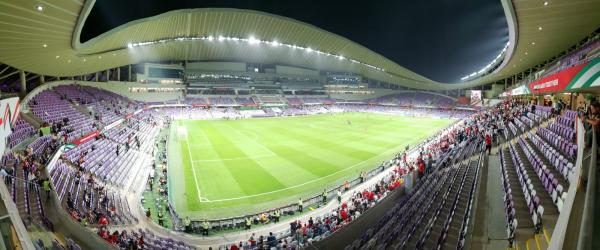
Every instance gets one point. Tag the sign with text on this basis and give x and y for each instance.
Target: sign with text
(555, 82)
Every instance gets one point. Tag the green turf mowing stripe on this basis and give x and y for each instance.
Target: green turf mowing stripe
(332, 145)
(309, 154)
(250, 176)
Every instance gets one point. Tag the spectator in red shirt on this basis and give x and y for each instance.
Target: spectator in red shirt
(488, 143)
(103, 221)
(421, 169)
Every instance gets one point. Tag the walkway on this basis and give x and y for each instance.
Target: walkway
(490, 225)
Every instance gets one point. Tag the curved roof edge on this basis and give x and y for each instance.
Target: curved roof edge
(412, 79)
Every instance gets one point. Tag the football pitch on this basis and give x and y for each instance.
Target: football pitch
(225, 168)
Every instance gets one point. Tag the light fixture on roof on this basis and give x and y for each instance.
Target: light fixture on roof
(69, 61)
(540, 28)
(545, 3)
(221, 38)
(253, 40)
(45, 45)
(309, 50)
(84, 60)
(57, 56)
(129, 45)
(39, 7)
(275, 43)
(99, 57)
(525, 52)
(341, 57)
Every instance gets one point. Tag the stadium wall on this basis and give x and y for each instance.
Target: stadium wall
(216, 66)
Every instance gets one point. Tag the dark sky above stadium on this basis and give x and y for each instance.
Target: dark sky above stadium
(443, 40)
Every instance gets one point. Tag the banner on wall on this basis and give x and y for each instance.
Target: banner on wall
(556, 82)
(10, 108)
(475, 97)
(87, 137)
(588, 76)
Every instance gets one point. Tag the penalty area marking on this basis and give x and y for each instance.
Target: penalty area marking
(182, 130)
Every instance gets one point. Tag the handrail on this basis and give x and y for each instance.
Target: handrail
(426, 232)
(17, 222)
(465, 221)
(587, 220)
(452, 209)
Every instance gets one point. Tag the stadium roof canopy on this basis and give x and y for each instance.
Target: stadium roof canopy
(43, 37)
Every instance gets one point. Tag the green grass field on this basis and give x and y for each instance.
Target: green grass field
(229, 168)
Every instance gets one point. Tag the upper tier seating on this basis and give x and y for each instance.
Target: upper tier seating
(21, 130)
(54, 108)
(415, 98)
(118, 158)
(270, 99)
(196, 101)
(104, 106)
(295, 101)
(245, 101)
(221, 100)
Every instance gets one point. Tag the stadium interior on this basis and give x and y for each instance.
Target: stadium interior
(311, 125)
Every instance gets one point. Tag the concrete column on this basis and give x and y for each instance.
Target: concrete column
(96, 77)
(42, 79)
(107, 75)
(129, 72)
(23, 83)
(119, 74)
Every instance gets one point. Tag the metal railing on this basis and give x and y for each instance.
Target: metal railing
(586, 231)
(16, 222)
(465, 223)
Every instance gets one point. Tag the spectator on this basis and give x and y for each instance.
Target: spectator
(488, 143)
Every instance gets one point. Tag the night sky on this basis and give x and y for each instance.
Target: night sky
(443, 40)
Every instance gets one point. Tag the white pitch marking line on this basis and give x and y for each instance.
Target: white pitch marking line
(305, 183)
(187, 141)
